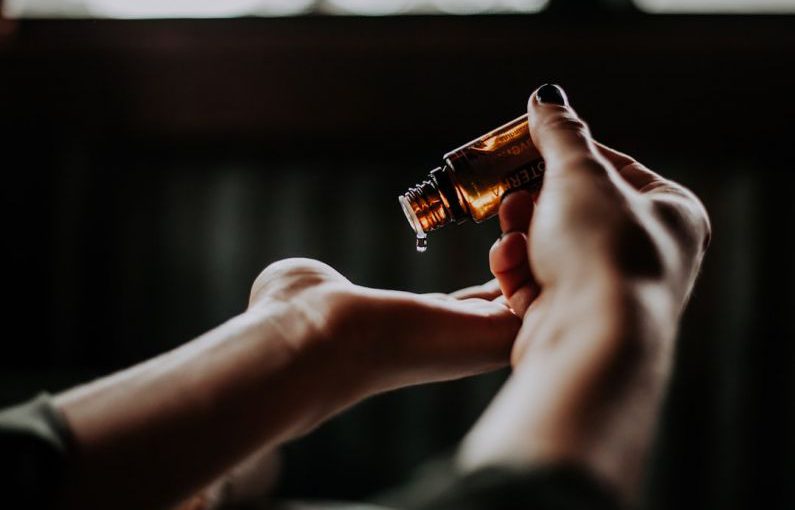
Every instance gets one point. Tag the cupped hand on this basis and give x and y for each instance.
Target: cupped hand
(376, 340)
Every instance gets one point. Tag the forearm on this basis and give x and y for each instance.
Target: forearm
(150, 435)
(575, 398)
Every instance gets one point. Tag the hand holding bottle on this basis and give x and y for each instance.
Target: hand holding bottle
(602, 217)
(599, 264)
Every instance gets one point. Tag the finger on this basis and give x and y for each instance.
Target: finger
(581, 189)
(635, 173)
(619, 159)
(557, 131)
(439, 295)
(508, 258)
(488, 290)
(516, 211)
(676, 206)
(508, 261)
(500, 300)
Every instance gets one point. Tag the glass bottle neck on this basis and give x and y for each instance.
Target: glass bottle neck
(433, 203)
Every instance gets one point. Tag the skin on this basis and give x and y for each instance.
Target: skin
(310, 345)
(600, 265)
(591, 278)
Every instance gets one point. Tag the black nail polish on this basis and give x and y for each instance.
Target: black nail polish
(551, 94)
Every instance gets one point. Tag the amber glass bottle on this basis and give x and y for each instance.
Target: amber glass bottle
(474, 178)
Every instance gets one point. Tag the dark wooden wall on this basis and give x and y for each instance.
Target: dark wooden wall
(151, 168)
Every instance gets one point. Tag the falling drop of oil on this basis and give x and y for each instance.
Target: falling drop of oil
(422, 243)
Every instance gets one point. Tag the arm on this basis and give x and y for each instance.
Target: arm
(600, 264)
(168, 426)
(310, 344)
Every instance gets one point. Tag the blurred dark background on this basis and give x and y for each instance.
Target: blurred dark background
(151, 168)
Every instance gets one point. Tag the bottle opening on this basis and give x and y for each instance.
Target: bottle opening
(411, 216)
(425, 207)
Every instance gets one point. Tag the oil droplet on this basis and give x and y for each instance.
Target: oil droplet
(422, 243)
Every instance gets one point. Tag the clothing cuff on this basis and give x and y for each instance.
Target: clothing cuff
(561, 486)
(36, 442)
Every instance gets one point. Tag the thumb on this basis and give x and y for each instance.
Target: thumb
(561, 137)
(578, 181)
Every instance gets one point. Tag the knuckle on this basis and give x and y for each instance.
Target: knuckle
(290, 267)
(639, 176)
(566, 120)
(685, 217)
(585, 171)
(288, 275)
(589, 165)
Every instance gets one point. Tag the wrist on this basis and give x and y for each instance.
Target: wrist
(588, 385)
(313, 329)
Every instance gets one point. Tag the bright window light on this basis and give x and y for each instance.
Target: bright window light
(718, 6)
(132, 9)
(370, 7)
(194, 8)
(388, 7)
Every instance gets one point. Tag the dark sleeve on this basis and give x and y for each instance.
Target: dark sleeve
(34, 442)
(541, 488)
(438, 486)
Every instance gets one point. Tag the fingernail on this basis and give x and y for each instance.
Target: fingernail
(551, 94)
(514, 191)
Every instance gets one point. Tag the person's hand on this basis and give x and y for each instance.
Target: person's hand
(310, 344)
(600, 264)
(363, 340)
(602, 219)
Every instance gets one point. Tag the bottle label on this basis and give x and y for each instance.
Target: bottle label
(500, 161)
(526, 176)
